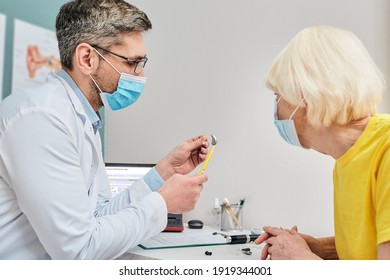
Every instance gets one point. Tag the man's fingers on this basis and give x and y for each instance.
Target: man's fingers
(199, 179)
(198, 142)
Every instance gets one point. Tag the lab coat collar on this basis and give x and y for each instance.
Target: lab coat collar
(88, 129)
(93, 116)
(78, 107)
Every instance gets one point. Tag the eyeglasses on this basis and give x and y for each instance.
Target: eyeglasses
(138, 65)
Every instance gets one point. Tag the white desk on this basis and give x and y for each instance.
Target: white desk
(219, 252)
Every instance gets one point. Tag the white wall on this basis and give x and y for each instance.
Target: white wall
(208, 60)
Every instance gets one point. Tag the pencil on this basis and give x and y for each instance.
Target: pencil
(207, 160)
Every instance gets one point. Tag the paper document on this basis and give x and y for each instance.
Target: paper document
(183, 239)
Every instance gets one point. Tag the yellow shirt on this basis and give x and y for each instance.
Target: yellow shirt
(362, 193)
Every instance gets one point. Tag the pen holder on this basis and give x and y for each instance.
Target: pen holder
(232, 220)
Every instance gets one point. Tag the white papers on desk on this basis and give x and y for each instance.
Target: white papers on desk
(183, 239)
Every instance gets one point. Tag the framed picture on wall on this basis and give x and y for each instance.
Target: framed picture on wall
(35, 54)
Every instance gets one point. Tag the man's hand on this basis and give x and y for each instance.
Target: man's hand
(181, 192)
(184, 158)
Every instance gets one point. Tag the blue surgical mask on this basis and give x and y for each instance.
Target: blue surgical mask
(286, 128)
(128, 91)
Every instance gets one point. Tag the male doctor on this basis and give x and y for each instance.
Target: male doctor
(55, 202)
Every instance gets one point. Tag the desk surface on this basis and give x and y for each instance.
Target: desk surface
(219, 252)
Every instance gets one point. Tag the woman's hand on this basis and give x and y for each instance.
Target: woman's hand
(284, 244)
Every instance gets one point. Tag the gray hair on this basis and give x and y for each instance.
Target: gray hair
(96, 22)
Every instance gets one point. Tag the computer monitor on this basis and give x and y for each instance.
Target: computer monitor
(122, 175)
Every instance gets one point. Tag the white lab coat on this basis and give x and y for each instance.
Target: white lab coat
(54, 197)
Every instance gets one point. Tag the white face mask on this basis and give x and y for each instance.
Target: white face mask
(286, 128)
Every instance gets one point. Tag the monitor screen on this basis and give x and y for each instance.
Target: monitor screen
(122, 175)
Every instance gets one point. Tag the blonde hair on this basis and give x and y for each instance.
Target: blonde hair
(332, 71)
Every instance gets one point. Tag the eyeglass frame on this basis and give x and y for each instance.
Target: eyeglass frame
(128, 59)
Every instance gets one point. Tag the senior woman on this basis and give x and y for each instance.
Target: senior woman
(327, 89)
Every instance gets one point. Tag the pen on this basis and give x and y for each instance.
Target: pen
(242, 238)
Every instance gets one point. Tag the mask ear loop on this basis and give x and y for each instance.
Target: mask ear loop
(296, 109)
(106, 60)
(93, 80)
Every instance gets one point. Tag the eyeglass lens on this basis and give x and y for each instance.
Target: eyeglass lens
(140, 65)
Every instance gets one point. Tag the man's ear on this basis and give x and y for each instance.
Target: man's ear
(85, 59)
